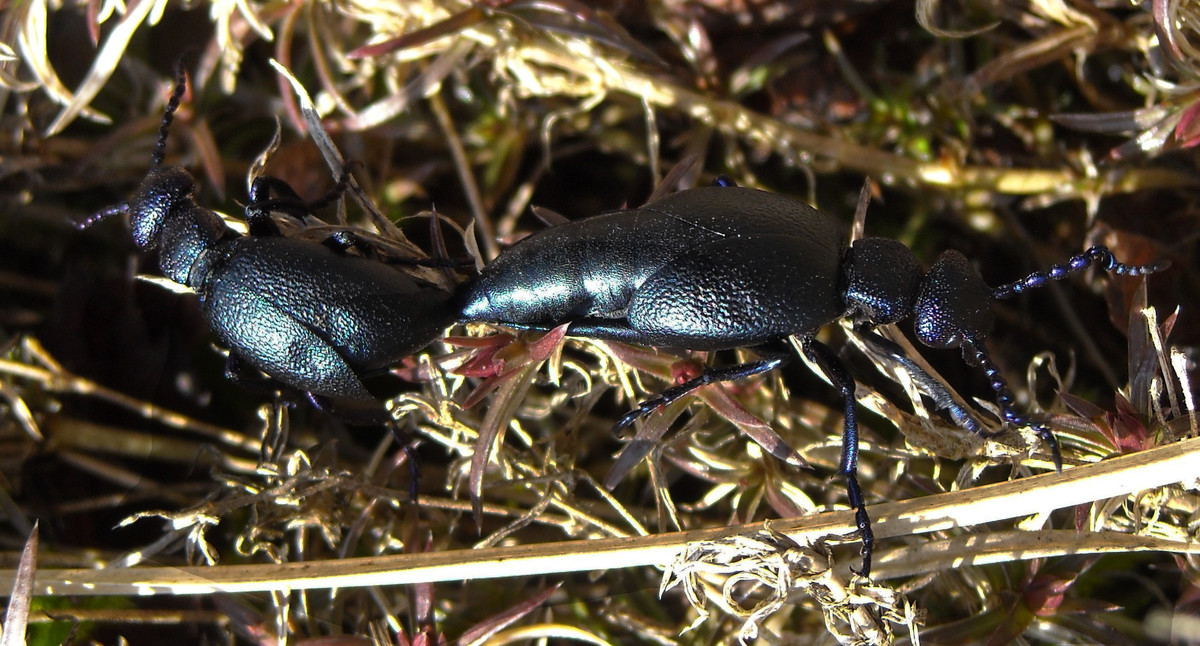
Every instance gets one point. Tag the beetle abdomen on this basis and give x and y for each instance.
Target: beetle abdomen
(312, 317)
(739, 292)
(701, 269)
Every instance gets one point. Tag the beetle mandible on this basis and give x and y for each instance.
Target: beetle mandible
(726, 267)
(310, 315)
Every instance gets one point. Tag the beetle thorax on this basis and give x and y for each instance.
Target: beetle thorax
(881, 281)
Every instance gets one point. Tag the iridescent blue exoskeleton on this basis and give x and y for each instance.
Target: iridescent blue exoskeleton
(725, 267)
(311, 315)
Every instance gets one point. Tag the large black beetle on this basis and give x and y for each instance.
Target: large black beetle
(313, 316)
(726, 267)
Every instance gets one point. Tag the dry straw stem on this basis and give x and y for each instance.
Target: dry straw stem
(1115, 478)
(552, 65)
(55, 378)
(594, 74)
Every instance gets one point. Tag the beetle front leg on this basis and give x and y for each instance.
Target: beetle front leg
(839, 376)
(286, 200)
(935, 389)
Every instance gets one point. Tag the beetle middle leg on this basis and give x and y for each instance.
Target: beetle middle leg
(242, 373)
(829, 363)
(287, 201)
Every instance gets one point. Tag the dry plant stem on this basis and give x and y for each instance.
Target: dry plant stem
(16, 617)
(470, 187)
(790, 141)
(57, 379)
(1002, 547)
(155, 616)
(68, 433)
(1113, 478)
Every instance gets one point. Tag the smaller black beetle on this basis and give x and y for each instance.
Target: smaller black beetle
(311, 316)
(725, 267)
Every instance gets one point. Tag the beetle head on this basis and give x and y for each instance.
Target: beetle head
(164, 215)
(954, 306)
(163, 193)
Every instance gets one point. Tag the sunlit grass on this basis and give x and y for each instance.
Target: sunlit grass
(1019, 135)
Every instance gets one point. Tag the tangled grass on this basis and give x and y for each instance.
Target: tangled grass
(171, 504)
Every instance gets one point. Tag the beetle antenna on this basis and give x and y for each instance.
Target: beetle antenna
(119, 209)
(160, 146)
(976, 354)
(1098, 255)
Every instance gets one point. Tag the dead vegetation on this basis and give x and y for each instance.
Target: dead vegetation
(1018, 133)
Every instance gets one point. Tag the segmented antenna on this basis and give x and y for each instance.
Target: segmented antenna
(120, 209)
(976, 353)
(160, 146)
(1095, 255)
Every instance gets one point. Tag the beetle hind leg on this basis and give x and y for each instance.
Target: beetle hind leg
(246, 376)
(709, 376)
(409, 444)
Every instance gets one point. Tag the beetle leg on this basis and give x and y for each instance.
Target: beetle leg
(935, 389)
(345, 240)
(243, 374)
(836, 371)
(355, 413)
(410, 455)
(334, 193)
(286, 200)
(258, 211)
(261, 187)
(709, 376)
(975, 353)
